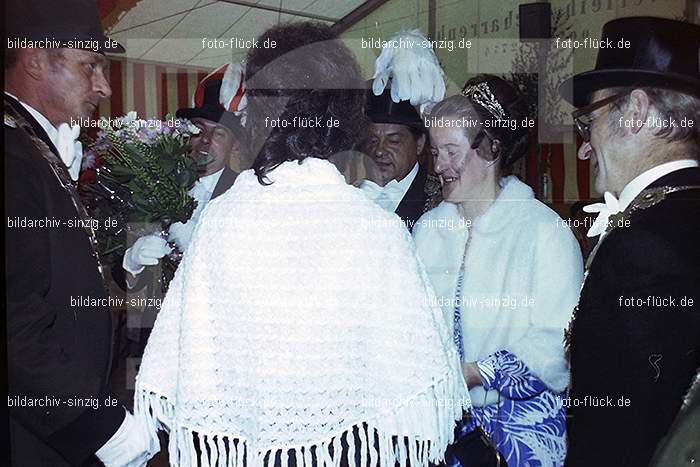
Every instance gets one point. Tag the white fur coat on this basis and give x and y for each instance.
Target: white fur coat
(523, 273)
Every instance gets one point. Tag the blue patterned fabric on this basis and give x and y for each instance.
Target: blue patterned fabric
(529, 424)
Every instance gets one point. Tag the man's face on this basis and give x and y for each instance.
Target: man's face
(394, 150)
(604, 147)
(74, 82)
(215, 141)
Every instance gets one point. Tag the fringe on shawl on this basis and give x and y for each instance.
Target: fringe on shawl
(434, 420)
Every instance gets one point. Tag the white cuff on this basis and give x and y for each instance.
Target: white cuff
(135, 272)
(127, 447)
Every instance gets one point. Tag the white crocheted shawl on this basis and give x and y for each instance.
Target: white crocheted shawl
(299, 314)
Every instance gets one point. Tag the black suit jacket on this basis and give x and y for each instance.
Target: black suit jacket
(225, 182)
(413, 204)
(57, 348)
(637, 352)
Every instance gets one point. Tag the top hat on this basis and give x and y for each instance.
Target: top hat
(217, 96)
(72, 24)
(663, 53)
(382, 109)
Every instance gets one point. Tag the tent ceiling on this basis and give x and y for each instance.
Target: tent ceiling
(171, 31)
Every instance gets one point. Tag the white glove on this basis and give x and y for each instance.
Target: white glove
(414, 70)
(146, 251)
(132, 445)
(181, 233)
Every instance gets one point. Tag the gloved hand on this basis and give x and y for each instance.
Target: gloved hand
(181, 233)
(413, 68)
(146, 251)
(131, 446)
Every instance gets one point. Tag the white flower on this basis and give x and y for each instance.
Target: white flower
(129, 117)
(127, 120)
(192, 128)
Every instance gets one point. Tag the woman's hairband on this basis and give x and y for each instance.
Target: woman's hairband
(482, 95)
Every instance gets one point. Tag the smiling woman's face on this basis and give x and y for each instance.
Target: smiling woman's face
(462, 172)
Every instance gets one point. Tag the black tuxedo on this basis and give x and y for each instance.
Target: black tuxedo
(644, 353)
(57, 348)
(225, 182)
(413, 204)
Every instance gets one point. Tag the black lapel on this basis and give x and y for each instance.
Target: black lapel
(38, 129)
(411, 206)
(225, 182)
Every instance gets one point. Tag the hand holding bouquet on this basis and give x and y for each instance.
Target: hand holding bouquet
(137, 181)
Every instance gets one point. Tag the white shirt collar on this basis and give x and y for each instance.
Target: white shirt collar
(405, 183)
(204, 187)
(39, 117)
(646, 178)
(210, 181)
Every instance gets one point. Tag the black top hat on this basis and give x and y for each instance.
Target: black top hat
(208, 107)
(381, 109)
(72, 24)
(663, 53)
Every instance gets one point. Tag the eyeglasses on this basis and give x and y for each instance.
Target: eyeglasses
(582, 118)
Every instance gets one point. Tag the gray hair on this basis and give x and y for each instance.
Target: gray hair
(670, 105)
(12, 56)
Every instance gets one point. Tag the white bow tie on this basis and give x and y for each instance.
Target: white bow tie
(70, 150)
(385, 196)
(605, 210)
(390, 189)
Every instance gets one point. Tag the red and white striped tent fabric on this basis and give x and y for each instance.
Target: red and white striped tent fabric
(569, 178)
(152, 90)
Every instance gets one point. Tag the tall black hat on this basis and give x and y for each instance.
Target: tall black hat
(382, 109)
(69, 23)
(207, 101)
(662, 53)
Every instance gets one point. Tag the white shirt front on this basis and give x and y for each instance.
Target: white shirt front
(204, 188)
(390, 195)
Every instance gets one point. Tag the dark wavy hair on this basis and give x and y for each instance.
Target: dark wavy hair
(514, 142)
(310, 76)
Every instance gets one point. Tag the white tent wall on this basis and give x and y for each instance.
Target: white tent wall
(485, 21)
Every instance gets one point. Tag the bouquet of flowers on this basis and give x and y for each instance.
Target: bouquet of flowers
(136, 178)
